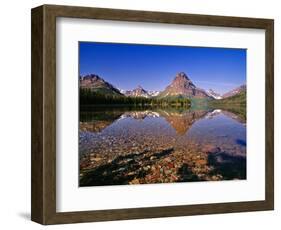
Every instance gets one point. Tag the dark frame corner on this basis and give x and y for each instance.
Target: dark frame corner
(43, 206)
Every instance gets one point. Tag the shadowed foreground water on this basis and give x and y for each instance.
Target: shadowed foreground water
(122, 146)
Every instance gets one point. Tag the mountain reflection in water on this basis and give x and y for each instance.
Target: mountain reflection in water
(127, 146)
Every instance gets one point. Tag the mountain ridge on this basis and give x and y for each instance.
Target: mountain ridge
(234, 91)
(97, 84)
(137, 92)
(180, 87)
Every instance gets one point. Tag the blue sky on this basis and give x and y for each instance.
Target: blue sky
(154, 66)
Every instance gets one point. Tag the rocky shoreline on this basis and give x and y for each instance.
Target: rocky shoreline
(142, 149)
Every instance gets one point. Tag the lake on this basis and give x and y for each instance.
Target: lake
(160, 145)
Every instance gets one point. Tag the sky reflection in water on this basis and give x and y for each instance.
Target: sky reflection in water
(160, 146)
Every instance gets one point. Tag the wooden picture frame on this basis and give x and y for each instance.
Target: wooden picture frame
(43, 208)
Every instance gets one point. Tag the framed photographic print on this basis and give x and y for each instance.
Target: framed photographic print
(141, 114)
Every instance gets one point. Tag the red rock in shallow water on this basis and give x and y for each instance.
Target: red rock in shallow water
(170, 165)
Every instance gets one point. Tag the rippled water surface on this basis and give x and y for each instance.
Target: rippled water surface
(126, 146)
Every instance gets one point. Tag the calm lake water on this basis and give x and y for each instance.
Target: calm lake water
(128, 146)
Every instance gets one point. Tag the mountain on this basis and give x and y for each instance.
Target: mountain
(238, 98)
(139, 92)
(236, 103)
(97, 84)
(183, 86)
(153, 93)
(213, 94)
(234, 91)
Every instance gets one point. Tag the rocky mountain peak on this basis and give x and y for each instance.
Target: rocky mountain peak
(181, 75)
(91, 78)
(139, 92)
(181, 81)
(95, 83)
(139, 88)
(183, 86)
(213, 94)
